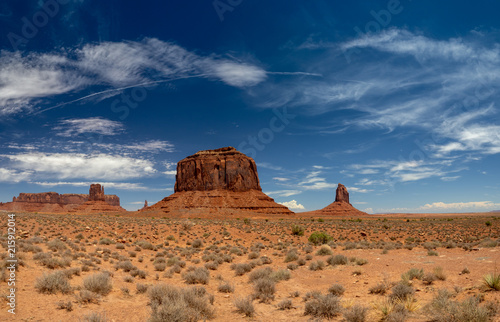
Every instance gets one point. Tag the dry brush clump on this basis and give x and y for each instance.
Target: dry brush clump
(53, 283)
(170, 303)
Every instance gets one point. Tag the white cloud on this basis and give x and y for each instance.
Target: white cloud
(75, 165)
(368, 210)
(239, 75)
(284, 193)
(437, 207)
(314, 182)
(98, 125)
(292, 204)
(280, 179)
(11, 175)
(360, 190)
(29, 78)
(479, 205)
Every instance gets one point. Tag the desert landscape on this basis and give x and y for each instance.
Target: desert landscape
(220, 249)
(249, 160)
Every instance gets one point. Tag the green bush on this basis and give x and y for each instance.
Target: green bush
(319, 238)
(298, 230)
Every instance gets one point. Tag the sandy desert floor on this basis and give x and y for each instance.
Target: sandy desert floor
(122, 268)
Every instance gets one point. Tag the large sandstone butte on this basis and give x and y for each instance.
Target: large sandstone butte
(52, 202)
(340, 207)
(218, 182)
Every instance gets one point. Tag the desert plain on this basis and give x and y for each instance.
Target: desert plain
(117, 267)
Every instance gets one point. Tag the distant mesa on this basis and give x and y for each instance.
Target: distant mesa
(222, 181)
(54, 202)
(96, 202)
(340, 207)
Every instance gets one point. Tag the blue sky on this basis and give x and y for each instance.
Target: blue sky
(397, 100)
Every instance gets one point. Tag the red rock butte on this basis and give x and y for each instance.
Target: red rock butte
(218, 182)
(54, 202)
(340, 207)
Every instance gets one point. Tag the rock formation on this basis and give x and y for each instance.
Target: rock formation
(220, 169)
(218, 182)
(96, 192)
(341, 195)
(96, 202)
(53, 202)
(340, 207)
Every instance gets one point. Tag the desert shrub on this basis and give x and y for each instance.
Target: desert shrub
(291, 256)
(253, 255)
(241, 268)
(432, 253)
(317, 265)
(413, 273)
(266, 260)
(225, 287)
(95, 317)
(337, 260)
(380, 288)
(53, 283)
(244, 306)
(298, 230)
(68, 306)
(141, 288)
(138, 273)
(160, 267)
(324, 250)
(360, 261)
(212, 265)
(292, 266)
(318, 238)
(323, 306)
(264, 289)
(145, 245)
(401, 292)
(72, 271)
(126, 266)
(56, 245)
(105, 241)
(429, 278)
(280, 275)
(195, 275)
(197, 243)
(301, 261)
(356, 313)
(259, 273)
(492, 281)
(285, 304)
(336, 289)
(87, 297)
(443, 309)
(98, 283)
(169, 303)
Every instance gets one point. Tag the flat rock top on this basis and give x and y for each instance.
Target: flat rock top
(217, 152)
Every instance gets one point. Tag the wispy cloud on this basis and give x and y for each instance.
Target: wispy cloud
(11, 175)
(313, 181)
(27, 78)
(283, 193)
(97, 125)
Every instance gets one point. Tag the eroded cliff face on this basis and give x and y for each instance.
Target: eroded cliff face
(220, 169)
(220, 182)
(54, 202)
(341, 195)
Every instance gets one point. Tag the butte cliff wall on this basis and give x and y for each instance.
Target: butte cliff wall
(220, 182)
